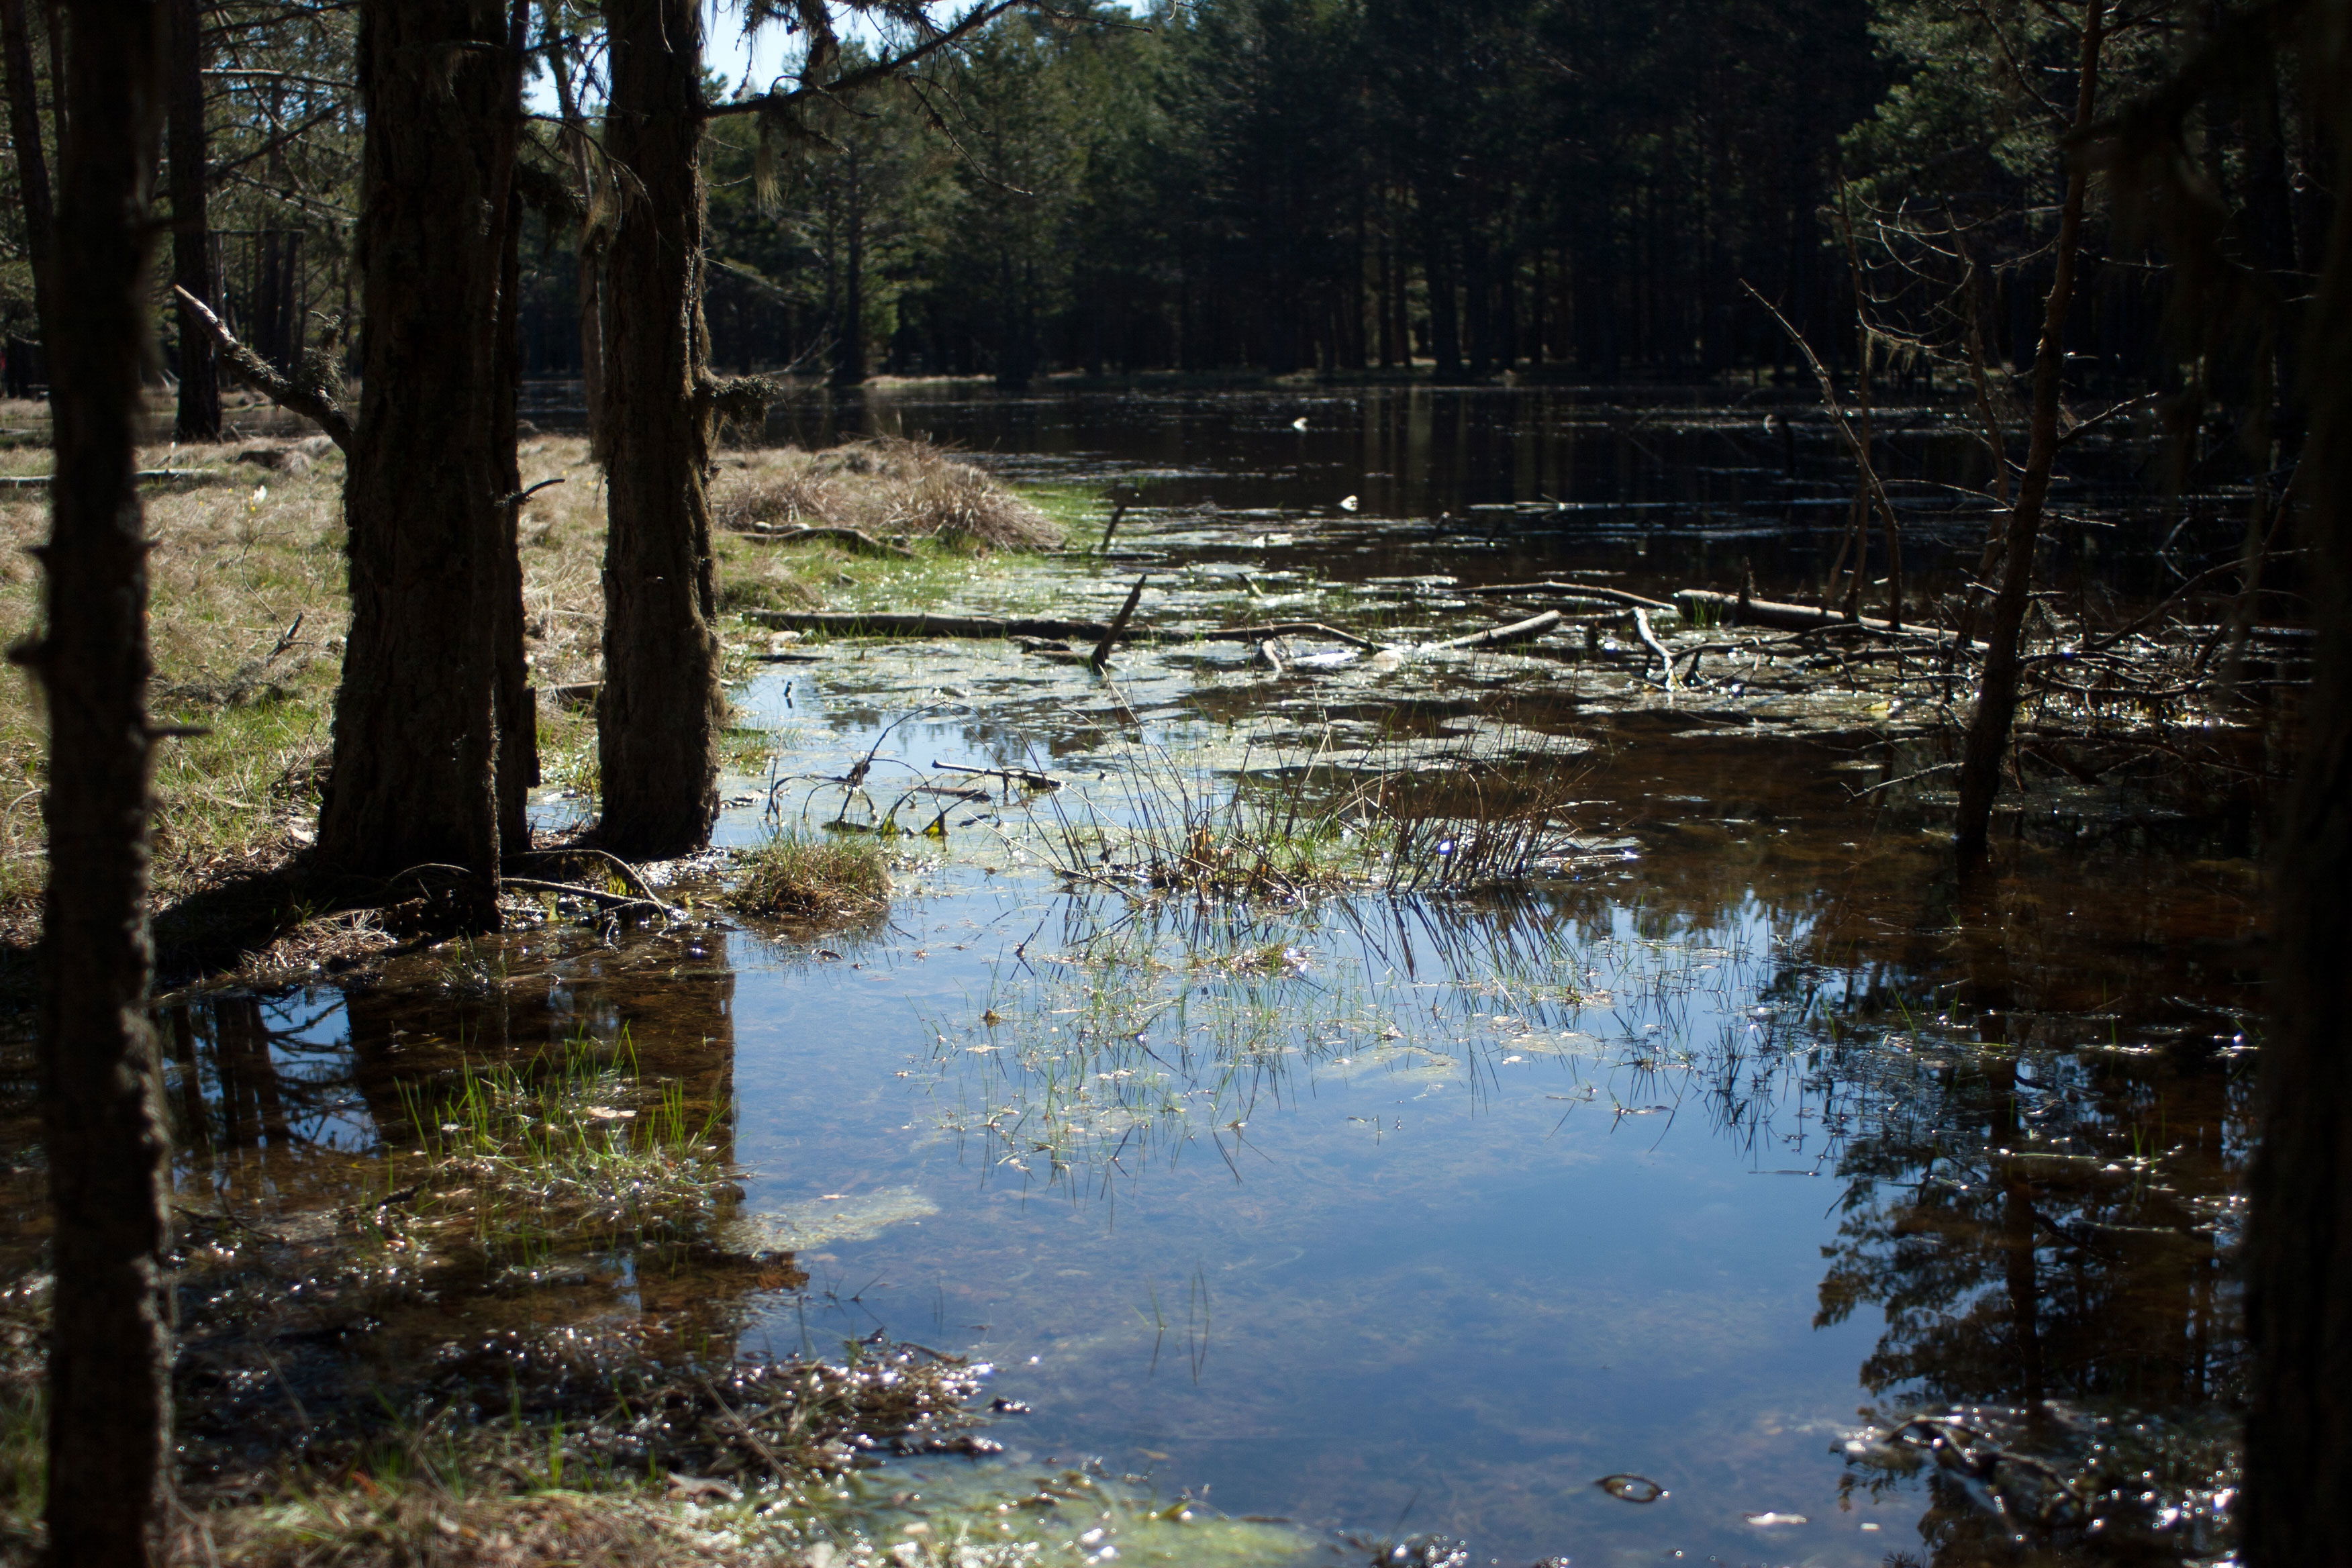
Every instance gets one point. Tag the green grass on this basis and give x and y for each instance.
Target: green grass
(569, 1151)
(813, 875)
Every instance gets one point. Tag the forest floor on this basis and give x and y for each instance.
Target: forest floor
(248, 611)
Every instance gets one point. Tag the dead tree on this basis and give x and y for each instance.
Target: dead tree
(1996, 708)
(109, 1362)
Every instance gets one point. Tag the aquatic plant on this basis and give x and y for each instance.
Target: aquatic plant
(813, 875)
(1450, 823)
(569, 1151)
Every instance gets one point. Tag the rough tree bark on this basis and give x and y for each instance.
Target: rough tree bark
(32, 165)
(101, 1112)
(1997, 696)
(516, 705)
(413, 779)
(191, 252)
(2299, 1242)
(661, 708)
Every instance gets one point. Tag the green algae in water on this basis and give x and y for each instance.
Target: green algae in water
(799, 1227)
(941, 1517)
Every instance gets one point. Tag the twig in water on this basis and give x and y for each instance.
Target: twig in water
(1117, 625)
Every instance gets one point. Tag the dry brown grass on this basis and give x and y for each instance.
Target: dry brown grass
(889, 488)
(248, 616)
(363, 1523)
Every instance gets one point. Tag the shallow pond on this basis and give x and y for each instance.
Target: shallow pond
(1739, 1133)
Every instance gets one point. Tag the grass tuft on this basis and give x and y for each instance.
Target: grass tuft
(813, 875)
(885, 486)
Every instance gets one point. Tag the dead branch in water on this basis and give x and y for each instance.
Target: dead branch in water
(1118, 624)
(1528, 630)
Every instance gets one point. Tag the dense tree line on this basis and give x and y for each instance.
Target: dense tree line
(1504, 184)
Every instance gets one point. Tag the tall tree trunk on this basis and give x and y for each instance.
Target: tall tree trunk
(101, 1105)
(1445, 311)
(1997, 697)
(32, 163)
(849, 343)
(2299, 1243)
(191, 252)
(515, 704)
(415, 733)
(661, 709)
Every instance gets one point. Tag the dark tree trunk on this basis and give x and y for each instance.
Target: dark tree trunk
(1444, 313)
(32, 163)
(2299, 1244)
(661, 709)
(849, 343)
(516, 705)
(101, 1105)
(415, 738)
(191, 252)
(1997, 695)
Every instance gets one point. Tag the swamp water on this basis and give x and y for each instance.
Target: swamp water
(1698, 1163)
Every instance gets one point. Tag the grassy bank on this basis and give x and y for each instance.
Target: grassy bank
(248, 616)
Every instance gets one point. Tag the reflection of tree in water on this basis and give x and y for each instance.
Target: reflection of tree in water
(2044, 1231)
(260, 1080)
(315, 1268)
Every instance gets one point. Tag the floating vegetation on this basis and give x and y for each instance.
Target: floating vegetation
(1142, 1031)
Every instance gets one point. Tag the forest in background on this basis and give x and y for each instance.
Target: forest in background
(1567, 186)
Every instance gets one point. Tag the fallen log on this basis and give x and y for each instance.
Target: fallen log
(1528, 630)
(1731, 607)
(1029, 776)
(857, 539)
(1265, 633)
(145, 476)
(890, 624)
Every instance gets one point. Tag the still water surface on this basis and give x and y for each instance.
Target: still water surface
(1406, 1215)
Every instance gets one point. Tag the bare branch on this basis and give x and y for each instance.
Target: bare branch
(264, 378)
